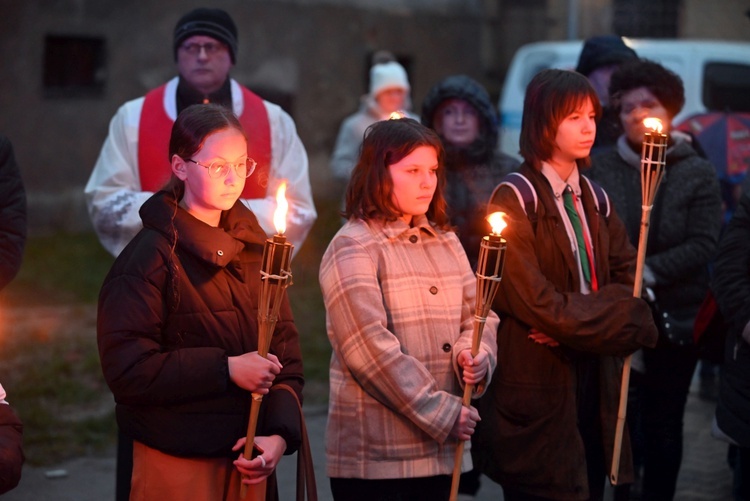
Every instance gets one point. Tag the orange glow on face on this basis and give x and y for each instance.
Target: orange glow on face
(654, 124)
(497, 221)
(282, 206)
(397, 115)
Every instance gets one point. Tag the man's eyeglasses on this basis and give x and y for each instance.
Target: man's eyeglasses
(219, 169)
(211, 48)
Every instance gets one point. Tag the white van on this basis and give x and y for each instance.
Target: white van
(716, 76)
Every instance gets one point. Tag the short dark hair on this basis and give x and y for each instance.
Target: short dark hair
(189, 132)
(664, 84)
(370, 189)
(551, 96)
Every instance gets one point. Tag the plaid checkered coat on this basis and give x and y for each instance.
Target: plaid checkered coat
(400, 307)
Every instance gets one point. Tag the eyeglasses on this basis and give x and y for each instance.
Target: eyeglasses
(219, 169)
(211, 48)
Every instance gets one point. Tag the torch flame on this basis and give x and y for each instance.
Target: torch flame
(282, 206)
(497, 222)
(396, 115)
(653, 123)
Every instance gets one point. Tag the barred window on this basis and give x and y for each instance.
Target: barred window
(74, 66)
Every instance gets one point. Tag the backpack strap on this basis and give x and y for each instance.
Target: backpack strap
(528, 199)
(525, 192)
(601, 199)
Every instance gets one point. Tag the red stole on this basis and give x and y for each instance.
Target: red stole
(155, 129)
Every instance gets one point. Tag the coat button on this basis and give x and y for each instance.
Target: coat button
(447, 347)
(433, 290)
(413, 239)
(220, 252)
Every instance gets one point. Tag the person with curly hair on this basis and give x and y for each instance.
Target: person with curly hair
(683, 238)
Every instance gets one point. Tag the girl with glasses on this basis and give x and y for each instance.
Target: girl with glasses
(683, 240)
(177, 328)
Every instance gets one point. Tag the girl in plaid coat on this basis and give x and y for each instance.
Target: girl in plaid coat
(399, 296)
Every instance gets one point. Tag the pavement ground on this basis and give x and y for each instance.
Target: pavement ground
(704, 476)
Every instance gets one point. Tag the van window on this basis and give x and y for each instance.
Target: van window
(536, 62)
(726, 87)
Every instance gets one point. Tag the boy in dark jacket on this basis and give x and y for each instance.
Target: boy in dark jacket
(567, 309)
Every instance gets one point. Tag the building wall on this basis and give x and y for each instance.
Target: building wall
(315, 54)
(718, 19)
(311, 55)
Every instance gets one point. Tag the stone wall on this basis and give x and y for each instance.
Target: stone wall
(312, 56)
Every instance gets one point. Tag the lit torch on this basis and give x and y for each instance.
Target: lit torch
(489, 273)
(275, 277)
(653, 163)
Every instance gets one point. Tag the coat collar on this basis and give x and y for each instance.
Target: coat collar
(397, 228)
(559, 184)
(217, 246)
(678, 149)
(187, 95)
(548, 207)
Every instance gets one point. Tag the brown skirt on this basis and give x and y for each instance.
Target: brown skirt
(161, 476)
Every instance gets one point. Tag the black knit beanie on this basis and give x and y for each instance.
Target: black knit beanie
(602, 51)
(214, 23)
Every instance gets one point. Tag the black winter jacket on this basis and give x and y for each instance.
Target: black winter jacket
(11, 449)
(472, 172)
(169, 318)
(12, 214)
(731, 287)
(685, 220)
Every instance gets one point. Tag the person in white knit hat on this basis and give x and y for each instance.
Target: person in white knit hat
(389, 92)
